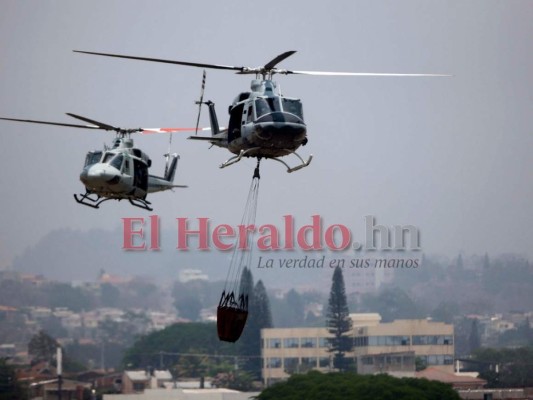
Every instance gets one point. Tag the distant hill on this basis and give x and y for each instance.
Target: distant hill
(73, 255)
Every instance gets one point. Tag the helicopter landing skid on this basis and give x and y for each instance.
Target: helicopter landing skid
(89, 201)
(144, 204)
(244, 153)
(303, 163)
(86, 200)
(237, 158)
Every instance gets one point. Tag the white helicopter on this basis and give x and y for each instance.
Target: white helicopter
(120, 172)
(263, 123)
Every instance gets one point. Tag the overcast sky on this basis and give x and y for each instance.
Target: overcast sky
(451, 156)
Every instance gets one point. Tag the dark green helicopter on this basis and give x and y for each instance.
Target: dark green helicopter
(263, 123)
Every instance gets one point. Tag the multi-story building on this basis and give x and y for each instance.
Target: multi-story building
(378, 347)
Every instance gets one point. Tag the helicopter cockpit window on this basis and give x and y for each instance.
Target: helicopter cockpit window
(93, 157)
(293, 107)
(267, 106)
(117, 162)
(126, 168)
(108, 157)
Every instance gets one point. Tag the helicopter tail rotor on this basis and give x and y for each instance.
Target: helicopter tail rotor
(200, 102)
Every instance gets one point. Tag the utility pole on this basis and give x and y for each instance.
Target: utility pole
(59, 372)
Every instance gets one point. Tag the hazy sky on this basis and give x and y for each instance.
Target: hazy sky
(451, 156)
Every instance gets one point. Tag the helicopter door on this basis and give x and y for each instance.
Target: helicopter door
(235, 119)
(140, 175)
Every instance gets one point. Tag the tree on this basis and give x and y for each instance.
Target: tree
(42, 347)
(445, 312)
(392, 303)
(514, 366)
(290, 311)
(339, 322)
(474, 339)
(162, 348)
(246, 285)
(340, 386)
(109, 295)
(10, 388)
(259, 317)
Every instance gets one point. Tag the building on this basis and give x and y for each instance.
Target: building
(392, 347)
(138, 381)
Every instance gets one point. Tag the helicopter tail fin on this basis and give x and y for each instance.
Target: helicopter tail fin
(172, 165)
(215, 128)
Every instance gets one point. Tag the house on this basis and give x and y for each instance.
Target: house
(138, 381)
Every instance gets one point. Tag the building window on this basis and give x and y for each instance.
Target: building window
(428, 340)
(274, 343)
(274, 362)
(368, 361)
(290, 365)
(437, 359)
(138, 386)
(323, 362)
(308, 342)
(308, 363)
(389, 341)
(323, 342)
(291, 343)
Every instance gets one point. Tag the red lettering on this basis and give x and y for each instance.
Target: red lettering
(220, 231)
(315, 229)
(130, 233)
(346, 237)
(270, 241)
(184, 232)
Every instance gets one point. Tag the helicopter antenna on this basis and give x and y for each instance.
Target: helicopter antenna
(200, 102)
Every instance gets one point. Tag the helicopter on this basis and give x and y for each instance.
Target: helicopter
(121, 171)
(263, 123)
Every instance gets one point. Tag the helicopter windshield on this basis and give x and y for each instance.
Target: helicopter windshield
(92, 157)
(108, 157)
(293, 107)
(267, 105)
(117, 162)
(272, 104)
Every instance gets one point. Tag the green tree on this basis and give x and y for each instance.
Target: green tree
(42, 347)
(505, 367)
(290, 311)
(164, 347)
(10, 388)
(341, 386)
(446, 312)
(65, 295)
(246, 284)
(391, 304)
(259, 317)
(474, 339)
(109, 295)
(339, 322)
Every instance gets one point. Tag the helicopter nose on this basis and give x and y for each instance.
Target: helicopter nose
(98, 175)
(281, 129)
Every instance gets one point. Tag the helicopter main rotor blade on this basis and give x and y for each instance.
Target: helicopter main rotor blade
(149, 131)
(101, 125)
(268, 67)
(159, 60)
(52, 123)
(324, 73)
(271, 64)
